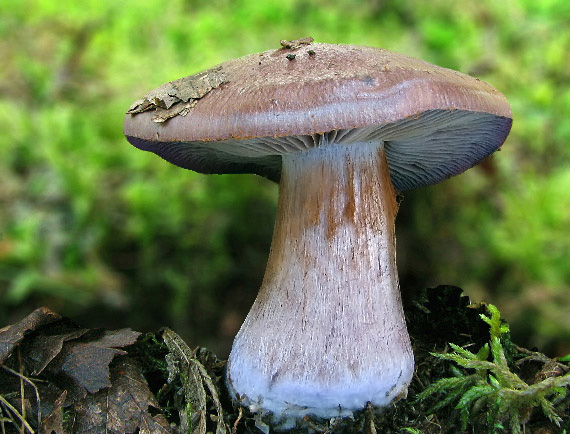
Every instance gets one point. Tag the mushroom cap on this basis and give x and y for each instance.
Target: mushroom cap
(244, 114)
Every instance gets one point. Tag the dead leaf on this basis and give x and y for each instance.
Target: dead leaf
(72, 366)
(87, 361)
(42, 349)
(11, 335)
(122, 408)
(53, 422)
(180, 96)
(296, 44)
(260, 424)
(196, 379)
(178, 109)
(369, 426)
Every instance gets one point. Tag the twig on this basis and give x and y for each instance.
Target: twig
(539, 357)
(22, 391)
(31, 383)
(240, 414)
(2, 420)
(17, 414)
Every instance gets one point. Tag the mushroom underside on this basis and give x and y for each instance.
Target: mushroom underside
(421, 150)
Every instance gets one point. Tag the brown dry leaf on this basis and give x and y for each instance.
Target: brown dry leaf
(42, 349)
(183, 361)
(12, 335)
(369, 426)
(53, 422)
(69, 362)
(179, 96)
(297, 43)
(86, 362)
(122, 408)
(178, 109)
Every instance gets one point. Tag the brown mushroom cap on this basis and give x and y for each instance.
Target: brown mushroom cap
(242, 115)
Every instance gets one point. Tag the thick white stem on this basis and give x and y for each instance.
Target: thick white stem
(327, 333)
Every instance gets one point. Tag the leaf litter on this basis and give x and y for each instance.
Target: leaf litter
(53, 371)
(56, 377)
(124, 407)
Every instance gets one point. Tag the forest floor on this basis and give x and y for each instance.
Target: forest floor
(56, 377)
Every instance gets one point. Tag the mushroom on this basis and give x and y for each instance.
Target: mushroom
(342, 129)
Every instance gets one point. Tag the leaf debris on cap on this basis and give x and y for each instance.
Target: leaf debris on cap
(296, 44)
(179, 96)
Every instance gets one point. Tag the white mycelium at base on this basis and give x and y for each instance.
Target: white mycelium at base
(326, 334)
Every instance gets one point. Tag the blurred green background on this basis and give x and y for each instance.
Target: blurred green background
(115, 237)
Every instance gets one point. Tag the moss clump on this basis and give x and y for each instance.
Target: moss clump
(490, 393)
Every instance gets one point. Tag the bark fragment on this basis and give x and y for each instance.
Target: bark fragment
(296, 44)
(179, 96)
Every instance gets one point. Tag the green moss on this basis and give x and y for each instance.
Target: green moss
(490, 391)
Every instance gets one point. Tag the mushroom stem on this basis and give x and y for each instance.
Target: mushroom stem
(327, 334)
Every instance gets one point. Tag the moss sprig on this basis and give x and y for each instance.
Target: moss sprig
(491, 387)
